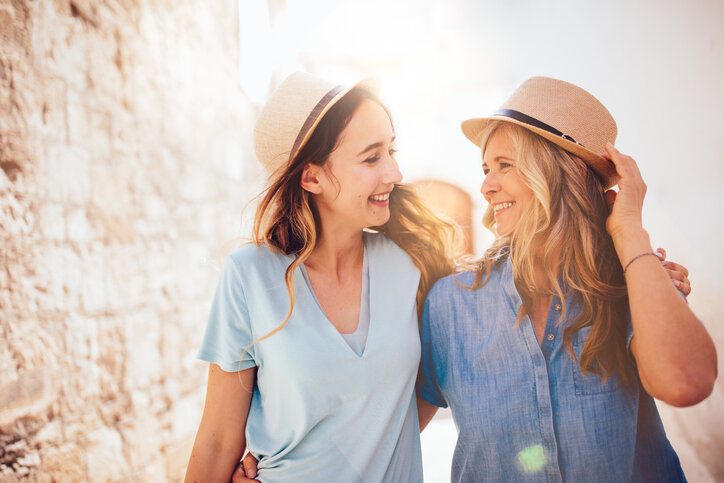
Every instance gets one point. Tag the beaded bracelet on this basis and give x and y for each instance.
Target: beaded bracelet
(637, 257)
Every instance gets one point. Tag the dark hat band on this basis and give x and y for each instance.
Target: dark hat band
(313, 117)
(531, 121)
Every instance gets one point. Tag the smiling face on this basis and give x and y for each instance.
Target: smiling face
(503, 187)
(353, 187)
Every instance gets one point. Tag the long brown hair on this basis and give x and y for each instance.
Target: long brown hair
(564, 226)
(287, 220)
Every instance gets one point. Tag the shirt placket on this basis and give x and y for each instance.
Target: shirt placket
(542, 384)
(540, 371)
(551, 337)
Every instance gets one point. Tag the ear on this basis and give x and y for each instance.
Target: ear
(310, 178)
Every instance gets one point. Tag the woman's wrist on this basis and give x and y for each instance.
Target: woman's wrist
(631, 243)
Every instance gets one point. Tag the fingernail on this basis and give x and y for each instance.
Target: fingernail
(677, 283)
(659, 254)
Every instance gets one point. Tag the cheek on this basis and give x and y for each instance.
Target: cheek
(517, 187)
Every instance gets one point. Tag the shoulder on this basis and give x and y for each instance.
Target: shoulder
(457, 288)
(451, 284)
(380, 246)
(251, 259)
(251, 253)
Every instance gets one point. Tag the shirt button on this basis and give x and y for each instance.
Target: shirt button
(557, 307)
(550, 336)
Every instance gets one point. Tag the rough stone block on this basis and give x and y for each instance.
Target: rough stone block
(186, 415)
(30, 393)
(63, 463)
(66, 173)
(78, 226)
(143, 360)
(177, 458)
(105, 459)
(51, 221)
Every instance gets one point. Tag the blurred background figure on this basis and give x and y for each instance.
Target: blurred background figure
(453, 202)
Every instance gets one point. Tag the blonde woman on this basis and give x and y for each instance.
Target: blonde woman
(313, 333)
(549, 353)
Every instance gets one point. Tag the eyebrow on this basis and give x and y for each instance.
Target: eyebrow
(498, 158)
(375, 146)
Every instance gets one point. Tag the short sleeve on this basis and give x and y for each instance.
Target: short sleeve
(430, 363)
(228, 337)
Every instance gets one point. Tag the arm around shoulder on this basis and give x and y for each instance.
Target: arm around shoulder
(220, 440)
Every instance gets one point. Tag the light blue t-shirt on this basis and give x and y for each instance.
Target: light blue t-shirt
(525, 411)
(319, 411)
(357, 339)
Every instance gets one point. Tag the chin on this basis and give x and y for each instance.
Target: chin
(380, 221)
(502, 233)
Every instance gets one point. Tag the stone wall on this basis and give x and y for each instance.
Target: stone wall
(124, 147)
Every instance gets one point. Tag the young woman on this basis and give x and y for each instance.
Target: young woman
(313, 334)
(550, 351)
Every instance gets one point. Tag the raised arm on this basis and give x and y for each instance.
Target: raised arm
(221, 440)
(675, 355)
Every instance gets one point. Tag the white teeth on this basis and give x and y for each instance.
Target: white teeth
(380, 197)
(502, 206)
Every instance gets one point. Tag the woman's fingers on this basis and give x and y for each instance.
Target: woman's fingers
(250, 464)
(675, 266)
(679, 275)
(614, 156)
(682, 286)
(676, 275)
(239, 476)
(245, 471)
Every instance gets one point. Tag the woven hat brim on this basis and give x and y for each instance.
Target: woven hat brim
(370, 84)
(473, 129)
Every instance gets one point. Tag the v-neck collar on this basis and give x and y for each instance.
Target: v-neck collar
(366, 271)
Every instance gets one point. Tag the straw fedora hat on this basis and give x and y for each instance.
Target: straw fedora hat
(564, 114)
(293, 111)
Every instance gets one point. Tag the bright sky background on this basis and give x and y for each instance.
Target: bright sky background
(658, 66)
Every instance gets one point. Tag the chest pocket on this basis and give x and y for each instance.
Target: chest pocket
(590, 383)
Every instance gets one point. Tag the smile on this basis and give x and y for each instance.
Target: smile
(380, 198)
(502, 206)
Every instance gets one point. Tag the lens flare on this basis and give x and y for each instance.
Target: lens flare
(532, 459)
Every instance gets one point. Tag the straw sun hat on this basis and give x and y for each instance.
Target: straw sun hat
(564, 114)
(293, 111)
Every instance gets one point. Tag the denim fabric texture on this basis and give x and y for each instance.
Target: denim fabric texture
(525, 411)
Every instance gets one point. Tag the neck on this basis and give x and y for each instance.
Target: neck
(542, 273)
(335, 252)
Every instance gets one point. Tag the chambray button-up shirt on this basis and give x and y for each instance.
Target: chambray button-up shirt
(524, 411)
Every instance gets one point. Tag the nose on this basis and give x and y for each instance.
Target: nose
(490, 186)
(392, 173)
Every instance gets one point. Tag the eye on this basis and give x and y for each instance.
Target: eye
(392, 151)
(504, 165)
(371, 159)
(486, 171)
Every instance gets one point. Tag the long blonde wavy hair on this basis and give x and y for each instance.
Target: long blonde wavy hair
(563, 226)
(287, 220)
